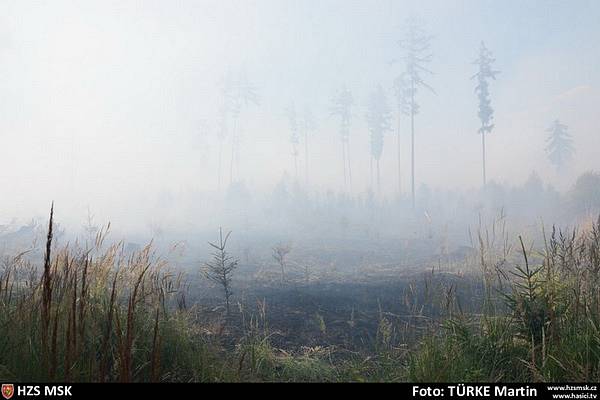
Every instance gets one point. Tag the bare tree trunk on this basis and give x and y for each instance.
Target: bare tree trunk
(231, 164)
(234, 145)
(371, 164)
(378, 179)
(344, 162)
(412, 139)
(220, 171)
(483, 154)
(232, 155)
(399, 168)
(412, 161)
(306, 157)
(237, 152)
(349, 167)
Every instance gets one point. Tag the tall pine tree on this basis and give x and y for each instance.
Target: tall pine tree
(403, 94)
(486, 112)
(416, 54)
(239, 94)
(341, 107)
(379, 121)
(308, 125)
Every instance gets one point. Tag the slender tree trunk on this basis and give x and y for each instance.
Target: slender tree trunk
(232, 158)
(306, 157)
(344, 162)
(349, 167)
(220, 170)
(233, 148)
(412, 160)
(483, 155)
(399, 157)
(237, 150)
(371, 164)
(378, 179)
(412, 140)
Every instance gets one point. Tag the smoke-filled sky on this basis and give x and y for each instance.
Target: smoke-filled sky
(113, 105)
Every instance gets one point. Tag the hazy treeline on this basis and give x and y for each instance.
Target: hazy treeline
(153, 134)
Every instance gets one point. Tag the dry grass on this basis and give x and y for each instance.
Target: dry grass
(98, 313)
(88, 316)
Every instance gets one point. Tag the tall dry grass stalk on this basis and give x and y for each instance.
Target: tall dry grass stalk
(93, 313)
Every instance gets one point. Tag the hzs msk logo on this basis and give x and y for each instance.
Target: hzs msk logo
(8, 389)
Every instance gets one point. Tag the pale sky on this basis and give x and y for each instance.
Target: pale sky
(102, 102)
